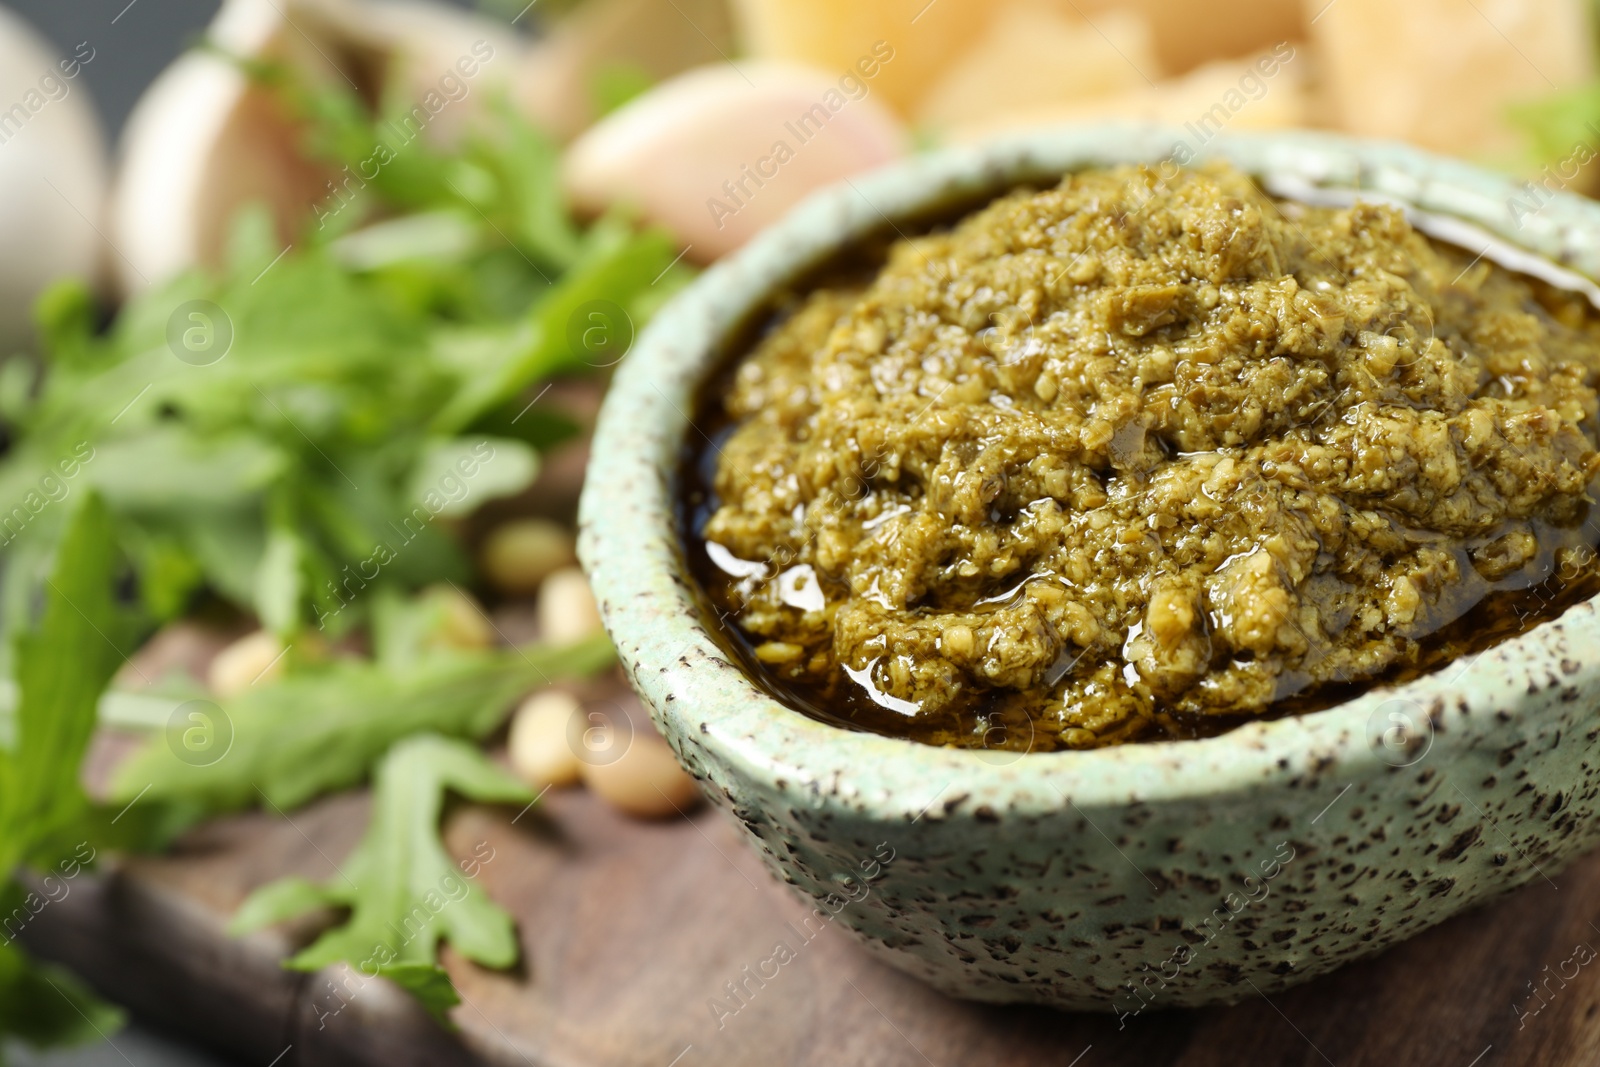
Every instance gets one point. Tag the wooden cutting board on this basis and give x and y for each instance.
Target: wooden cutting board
(633, 931)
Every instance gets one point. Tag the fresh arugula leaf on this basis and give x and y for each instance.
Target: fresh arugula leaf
(527, 166)
(445, 236)
(361, 367)
(324, 728)
(457, 474)
(406, 630)
(22, 569)
(403, 891)
(63, 665)
(46, 1006)
(1561, 126)
(166, 468)
(169, 575)
(619, 267)
(65, 315)
(393, 335)
(281, 574)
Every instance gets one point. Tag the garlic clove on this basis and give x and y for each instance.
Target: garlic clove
(432, 55)
(200, 144)
(52, 174)
(556, 86)
(203, 141)
(716, 154)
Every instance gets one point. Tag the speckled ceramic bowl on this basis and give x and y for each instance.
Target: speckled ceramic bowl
(1154, 874)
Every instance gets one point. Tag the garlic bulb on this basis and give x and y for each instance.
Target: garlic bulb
(204, 141)
(52, 174)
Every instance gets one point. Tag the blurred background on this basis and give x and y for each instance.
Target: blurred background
(137, 49)
(1509, 84)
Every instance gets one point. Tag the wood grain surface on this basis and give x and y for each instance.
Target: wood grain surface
(655, 945)
(632, 931)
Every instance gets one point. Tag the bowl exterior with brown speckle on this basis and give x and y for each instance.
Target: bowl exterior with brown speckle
(1180, 873)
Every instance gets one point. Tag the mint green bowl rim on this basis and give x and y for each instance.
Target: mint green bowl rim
(629, 538)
